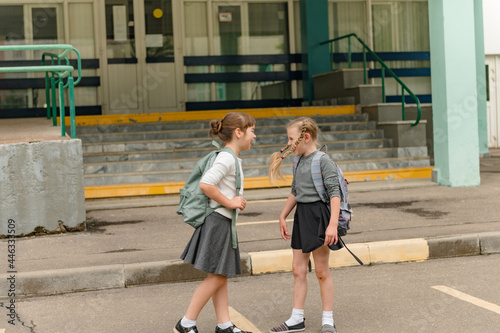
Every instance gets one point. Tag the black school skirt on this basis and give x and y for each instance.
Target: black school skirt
(309, 226)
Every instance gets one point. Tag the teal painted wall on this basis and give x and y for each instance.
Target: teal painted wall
(454, 92)
(314, 30)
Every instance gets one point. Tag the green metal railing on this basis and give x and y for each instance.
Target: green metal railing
(55, 73)
(384, 69)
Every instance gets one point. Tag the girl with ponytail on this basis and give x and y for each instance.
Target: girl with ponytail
(314, 229)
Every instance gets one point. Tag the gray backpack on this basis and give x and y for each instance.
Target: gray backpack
(194, 205)
(345, 208)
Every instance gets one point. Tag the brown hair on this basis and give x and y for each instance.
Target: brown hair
(305, 125)
(224, 128)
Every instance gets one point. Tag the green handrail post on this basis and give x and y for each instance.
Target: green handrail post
(383, 85)
(61, 107)
(52, 72)
(403, 116)
(47, 93)
(385, 68)
(54, 103)
(72, 106)
(365, 76)
(349, 45)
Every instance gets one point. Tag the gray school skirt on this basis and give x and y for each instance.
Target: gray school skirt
(309, 225)
(210, 248)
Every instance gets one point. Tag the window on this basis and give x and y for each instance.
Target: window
(120, 29)
(159, 29)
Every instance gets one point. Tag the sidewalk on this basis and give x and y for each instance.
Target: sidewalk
(135, 241)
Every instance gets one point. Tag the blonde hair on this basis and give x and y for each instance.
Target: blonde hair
(224, 128)
(304, 125)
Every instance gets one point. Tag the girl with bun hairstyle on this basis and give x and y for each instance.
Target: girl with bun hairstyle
(211, 248)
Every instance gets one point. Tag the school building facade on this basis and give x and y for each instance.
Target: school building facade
(161, 55)
(158, 56)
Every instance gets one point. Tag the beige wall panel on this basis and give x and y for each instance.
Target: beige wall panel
(124, 92)
(161, 85)
(81, 29)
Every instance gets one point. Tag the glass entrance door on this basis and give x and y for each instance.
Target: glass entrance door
(230, 42)
(247, 28)
(160, 67)
(122, 69)
(140, 55)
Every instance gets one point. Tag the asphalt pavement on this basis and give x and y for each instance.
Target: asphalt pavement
(136, 241)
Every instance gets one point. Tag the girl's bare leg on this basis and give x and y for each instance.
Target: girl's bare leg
(221, 305)
(321, 257)
(203, 293)
(300, 261)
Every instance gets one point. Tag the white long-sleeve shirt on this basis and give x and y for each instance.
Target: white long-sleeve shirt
(222, 174)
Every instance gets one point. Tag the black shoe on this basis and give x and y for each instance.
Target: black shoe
(230, 329)
(181, 329)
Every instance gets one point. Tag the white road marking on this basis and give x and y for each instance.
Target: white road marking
(241, 321)
(261, 222)
(468, 298)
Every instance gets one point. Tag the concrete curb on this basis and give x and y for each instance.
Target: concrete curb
(69, 280)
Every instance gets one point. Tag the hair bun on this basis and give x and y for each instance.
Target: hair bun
(215, 127)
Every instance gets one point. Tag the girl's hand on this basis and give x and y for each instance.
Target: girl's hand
(237, 203)
(284, 229)
(331, 236)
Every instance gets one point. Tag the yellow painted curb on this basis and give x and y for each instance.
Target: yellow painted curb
(399, 250)
(342, 258)
(209, 115)
(271, 261)
(404, 250)
(406, 173)
(110, 191)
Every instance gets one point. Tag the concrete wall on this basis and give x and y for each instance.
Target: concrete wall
(41, 185)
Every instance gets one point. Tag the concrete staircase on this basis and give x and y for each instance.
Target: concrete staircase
(167, 152)
(159, 153)
(337, 87)
(347, 85)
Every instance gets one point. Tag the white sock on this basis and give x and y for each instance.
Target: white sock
(187, 322)
(296, 318)
(227, 325)
(327, 318)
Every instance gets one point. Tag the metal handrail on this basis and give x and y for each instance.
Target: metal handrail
(58, 73)
(384, 69)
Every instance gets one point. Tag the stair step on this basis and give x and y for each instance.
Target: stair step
(116, 157)
(180, 175)
(207, 142)
(203, 133)
(189, 163)
(204, 145)
(205, 124)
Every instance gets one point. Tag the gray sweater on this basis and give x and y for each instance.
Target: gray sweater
(302, 185)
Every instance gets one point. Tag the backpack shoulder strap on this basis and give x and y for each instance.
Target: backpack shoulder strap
(318, 177)
(238, 189)
(237, 169)
(343, 184)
